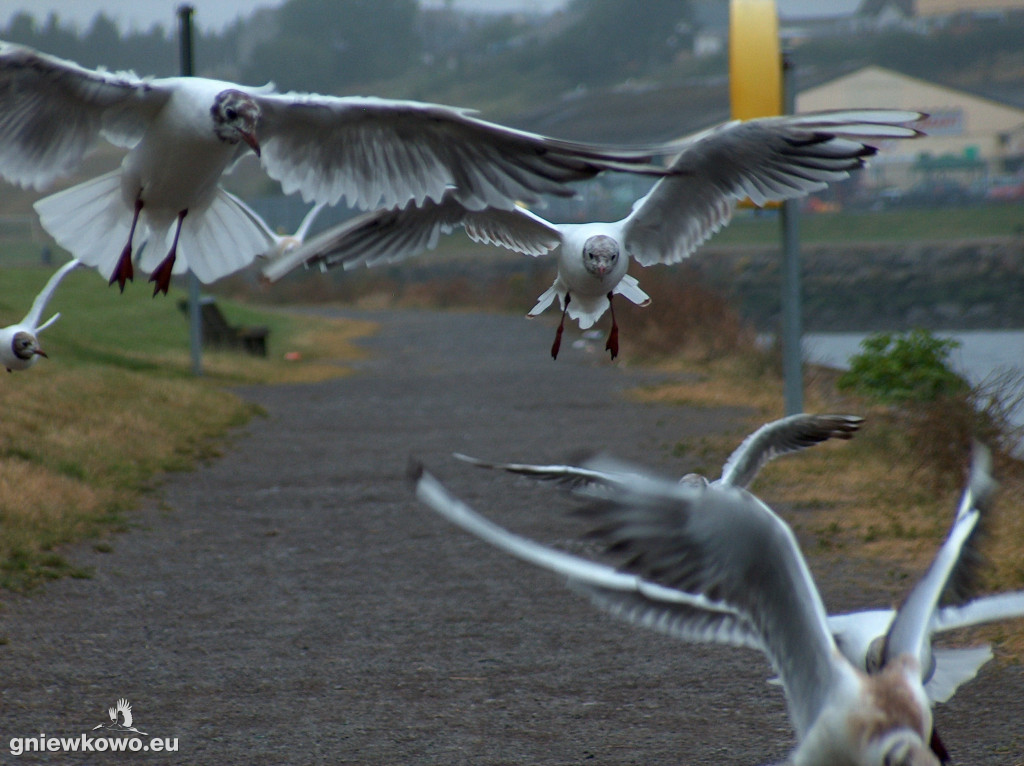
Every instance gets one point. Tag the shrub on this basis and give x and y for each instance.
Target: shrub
(898, 369)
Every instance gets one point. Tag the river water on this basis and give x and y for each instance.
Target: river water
(981, 352)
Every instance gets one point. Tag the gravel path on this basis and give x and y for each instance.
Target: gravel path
(292, 604)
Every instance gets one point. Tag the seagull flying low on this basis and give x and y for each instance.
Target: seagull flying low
(183, 133)
(767, 159)
(19, 343)
(858, 634)
(784, 436)
(694, 549)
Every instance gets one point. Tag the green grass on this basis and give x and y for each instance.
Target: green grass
(86, 433)
(760, 228)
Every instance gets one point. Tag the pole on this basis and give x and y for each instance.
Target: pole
(195, 326)
(792, 331)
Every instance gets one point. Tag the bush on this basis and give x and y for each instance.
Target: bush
(898, 369)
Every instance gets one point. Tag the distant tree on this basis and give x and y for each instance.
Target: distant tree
(616, 38)
(102, 44)
(22, 29)
(325, 45)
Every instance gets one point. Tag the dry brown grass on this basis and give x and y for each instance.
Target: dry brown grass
(85, 434)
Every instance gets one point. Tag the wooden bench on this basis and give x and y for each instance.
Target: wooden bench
(217, 333)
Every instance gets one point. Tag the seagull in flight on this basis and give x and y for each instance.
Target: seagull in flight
(19, 343)
(858, 634)
(767, 160)
(784, 436)
(183, 133)
(285, 243)
(712, 563)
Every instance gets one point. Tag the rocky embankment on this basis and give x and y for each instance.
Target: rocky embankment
(963, 285)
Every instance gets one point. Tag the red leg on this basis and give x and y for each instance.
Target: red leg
(162, 274)
(561, 326)
(612, 345)
(123, 271)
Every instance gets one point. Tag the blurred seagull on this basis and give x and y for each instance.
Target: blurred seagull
(285, 243)
(858, 634)
(767, 159)
(183, 133)
(714, 564)
(19, 343)
(779, 437)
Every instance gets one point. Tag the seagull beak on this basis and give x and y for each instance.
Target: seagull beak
(250, 139)
(40, 352)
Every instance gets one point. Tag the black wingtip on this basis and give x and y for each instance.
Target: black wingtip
(414, 471)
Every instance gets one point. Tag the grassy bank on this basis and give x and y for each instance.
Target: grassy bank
(87, 433)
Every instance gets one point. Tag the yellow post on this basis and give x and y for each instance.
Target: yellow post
(755, 66)
(756, 89)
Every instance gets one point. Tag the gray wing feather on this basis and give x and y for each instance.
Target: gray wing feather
(681, 614)
(391, 235)
(911, 629)
(52, 111)
(584, 481)
(39, 304)
(782, 437)
(722, 543)
(768, 159)
(377, 152)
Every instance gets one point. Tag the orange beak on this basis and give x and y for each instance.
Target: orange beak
(250, 139)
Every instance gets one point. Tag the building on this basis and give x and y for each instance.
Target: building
(969, 138)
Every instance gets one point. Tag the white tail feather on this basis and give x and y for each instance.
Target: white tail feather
(89, 220)
(219, 241)
(629, 289)
(92, 222)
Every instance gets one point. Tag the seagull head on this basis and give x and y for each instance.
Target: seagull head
(25, 346)
(235, 116)
(600, 253)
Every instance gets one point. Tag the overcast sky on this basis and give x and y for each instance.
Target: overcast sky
(215, 14)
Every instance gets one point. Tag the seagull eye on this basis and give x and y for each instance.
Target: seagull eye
(231, 113)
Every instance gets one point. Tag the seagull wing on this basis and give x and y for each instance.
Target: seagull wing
(677, 613)
(781, 437)
(307, 221)
(584, 481)
(390, 235)
(912, 628)
(724, 544)
(52, 111)
(767, 159)
(377, 152)
(31, 319)
(1002, 606)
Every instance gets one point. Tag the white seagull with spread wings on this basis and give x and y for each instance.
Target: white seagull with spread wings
(768, 159)
(19, 343)
(712, 563)
(183, 133)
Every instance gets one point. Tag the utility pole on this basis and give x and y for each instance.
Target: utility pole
(195, 326)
